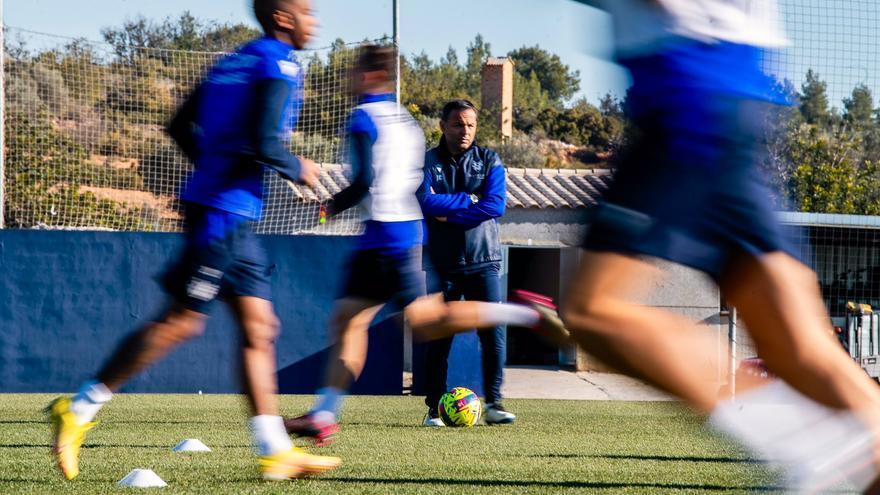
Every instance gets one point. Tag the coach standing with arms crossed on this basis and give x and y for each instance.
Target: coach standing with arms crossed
(463, 194)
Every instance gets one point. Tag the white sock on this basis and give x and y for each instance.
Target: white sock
(508, 314)
(92, 395)
(815, 444)
(329, 401)
(323, 418)
(270, 437)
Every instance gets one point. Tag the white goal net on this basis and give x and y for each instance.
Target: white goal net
(86, 147)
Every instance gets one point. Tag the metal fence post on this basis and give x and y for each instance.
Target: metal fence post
(2, 118)
(732, 342)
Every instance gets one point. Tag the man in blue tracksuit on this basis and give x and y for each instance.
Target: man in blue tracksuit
(234, 127)
(385, 269)
(462, 196)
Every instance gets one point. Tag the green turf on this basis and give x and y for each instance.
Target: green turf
(555, 446)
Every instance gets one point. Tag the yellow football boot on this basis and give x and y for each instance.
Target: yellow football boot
(295, 463)
(68, 436)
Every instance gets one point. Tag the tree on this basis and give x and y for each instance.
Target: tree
(859, 108)
(529, 102)
(427, 85)
(478, 53)
(611, 106)
(326, 91)
(556, 78)
(829, 175)
(184, 33)
(814, 100)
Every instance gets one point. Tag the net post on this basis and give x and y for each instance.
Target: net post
(396, 48)
(732, 342)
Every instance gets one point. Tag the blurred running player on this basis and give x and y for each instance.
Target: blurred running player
(689, 191)
(387, 155)
(232, 127)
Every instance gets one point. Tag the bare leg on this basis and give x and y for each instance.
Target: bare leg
(149, 344)
(780, 303)
(431, 318)
(664, 349)
(259, 327)
(351, 322)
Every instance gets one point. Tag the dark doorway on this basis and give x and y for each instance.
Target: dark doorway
(537, 270)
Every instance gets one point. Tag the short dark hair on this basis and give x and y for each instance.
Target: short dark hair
(456, 106)
(374, 57)
(263, 10)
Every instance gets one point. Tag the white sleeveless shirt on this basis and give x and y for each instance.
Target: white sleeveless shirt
(641, 26)
(398, 161)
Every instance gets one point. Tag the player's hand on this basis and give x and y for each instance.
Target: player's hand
(441, 219)
(309, 172)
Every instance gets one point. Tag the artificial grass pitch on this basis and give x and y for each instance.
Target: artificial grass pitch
(555, 446)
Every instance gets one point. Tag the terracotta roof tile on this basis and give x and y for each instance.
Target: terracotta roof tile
(583, 196)
(526, 188)
(512, 202)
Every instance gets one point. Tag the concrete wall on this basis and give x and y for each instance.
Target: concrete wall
(67, 298)
(544, 226)
(683, 291)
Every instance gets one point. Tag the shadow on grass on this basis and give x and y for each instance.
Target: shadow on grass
(555, 484)
(130, 421)
(377, 424)
(113, 446)
(665, 458)
(171, 422)
(27, 480)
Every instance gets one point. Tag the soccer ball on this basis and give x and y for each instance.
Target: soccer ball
(460, 407)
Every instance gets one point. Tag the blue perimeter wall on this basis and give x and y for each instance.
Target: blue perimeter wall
(67, 298)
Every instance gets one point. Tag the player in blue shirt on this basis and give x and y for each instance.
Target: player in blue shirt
(387, 154)
(689, 191)
(233, 127)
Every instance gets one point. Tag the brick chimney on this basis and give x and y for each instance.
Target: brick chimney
(498, 94)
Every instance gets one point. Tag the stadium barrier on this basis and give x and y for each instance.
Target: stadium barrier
(69, 297)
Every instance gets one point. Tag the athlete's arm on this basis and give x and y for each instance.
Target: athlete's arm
(491, 203)
(362, 166)
(440, 205)
(271, 101)
(182, 126)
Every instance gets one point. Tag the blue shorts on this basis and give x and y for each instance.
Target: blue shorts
(689, 190)
(222, 258)
(392, 276)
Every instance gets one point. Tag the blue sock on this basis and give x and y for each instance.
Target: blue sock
(329, 400)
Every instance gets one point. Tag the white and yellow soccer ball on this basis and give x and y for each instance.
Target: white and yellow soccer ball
(460, 407)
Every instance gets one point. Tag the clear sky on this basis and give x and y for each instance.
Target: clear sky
(426, 25)
(838, 38)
